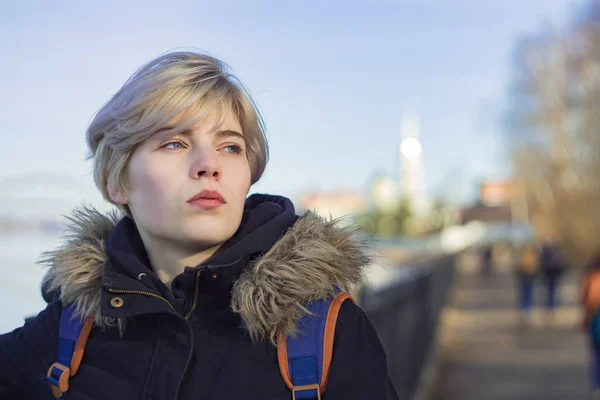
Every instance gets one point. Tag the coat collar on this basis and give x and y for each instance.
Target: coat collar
(307, 262)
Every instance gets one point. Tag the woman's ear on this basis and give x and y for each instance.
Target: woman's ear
(119, 196)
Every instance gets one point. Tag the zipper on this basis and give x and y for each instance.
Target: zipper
(187, 315)
(120, 291)
(195, 301)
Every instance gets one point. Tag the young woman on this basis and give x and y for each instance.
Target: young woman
(193, 287)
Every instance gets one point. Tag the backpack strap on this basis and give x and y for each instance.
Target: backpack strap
(304, 361)
(72, 338)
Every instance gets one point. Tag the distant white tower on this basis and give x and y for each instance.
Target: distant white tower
(411, 173)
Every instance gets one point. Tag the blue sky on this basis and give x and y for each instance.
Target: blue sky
(332, 78)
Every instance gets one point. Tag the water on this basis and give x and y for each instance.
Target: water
(20, 276)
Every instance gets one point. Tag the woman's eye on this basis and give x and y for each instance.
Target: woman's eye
(173, 146)
(233, 148)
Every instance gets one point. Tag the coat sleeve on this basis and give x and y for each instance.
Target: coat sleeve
(26, 354)
(359, 364)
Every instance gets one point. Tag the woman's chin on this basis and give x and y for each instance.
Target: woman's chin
(209, 229)
(206, 238)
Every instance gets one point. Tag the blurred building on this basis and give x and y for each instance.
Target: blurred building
(493, 194)
(498, 201)
(383, 192)
(334, 204)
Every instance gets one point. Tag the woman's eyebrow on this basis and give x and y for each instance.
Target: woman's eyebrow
(220, 134)
(227, 133)
(186, 132)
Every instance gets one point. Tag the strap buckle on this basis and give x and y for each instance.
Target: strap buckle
(58, 377)
(304, 388)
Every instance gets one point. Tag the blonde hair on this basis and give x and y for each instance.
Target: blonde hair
(180, 82)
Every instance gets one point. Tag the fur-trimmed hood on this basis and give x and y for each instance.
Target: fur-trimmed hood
(311, 258)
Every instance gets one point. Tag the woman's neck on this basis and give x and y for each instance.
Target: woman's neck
(168, 261)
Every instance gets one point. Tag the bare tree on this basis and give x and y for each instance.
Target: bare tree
(554, 131)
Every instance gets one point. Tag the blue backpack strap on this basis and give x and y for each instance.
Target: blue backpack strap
(304, 360)
(73, 335)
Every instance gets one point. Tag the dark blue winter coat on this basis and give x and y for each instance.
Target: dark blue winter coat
(209, 336)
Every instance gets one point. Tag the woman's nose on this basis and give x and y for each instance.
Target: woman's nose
(205, 164)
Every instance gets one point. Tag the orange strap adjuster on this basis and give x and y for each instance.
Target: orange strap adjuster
(59, 374)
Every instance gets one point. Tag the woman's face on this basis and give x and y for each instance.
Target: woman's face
(190, 189)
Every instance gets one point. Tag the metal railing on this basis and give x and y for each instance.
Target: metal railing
(406, 314)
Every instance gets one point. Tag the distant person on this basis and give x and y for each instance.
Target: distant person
(487, 260)
(195, 291)
(527, 268)
(591, 322)
(552, 267)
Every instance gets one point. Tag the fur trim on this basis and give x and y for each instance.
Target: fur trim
(306, 264)
(75, 268)
(312, 258)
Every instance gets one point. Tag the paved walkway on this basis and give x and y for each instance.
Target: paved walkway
(485, 356)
